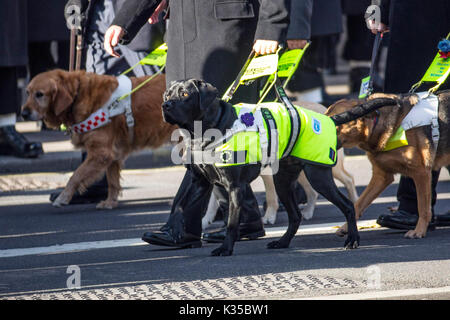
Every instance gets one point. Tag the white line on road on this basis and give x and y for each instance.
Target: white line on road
(71, 247)
(383, 294)
(107, 244)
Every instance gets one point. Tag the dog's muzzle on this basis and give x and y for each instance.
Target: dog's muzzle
(167, 114)
(26, 114)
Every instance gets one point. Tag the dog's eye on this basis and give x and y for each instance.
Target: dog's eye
(185, 94)
(38, 94)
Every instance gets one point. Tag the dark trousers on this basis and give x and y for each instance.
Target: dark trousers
(9, 94)
(407, 197)
(191, 202)
(192, 198)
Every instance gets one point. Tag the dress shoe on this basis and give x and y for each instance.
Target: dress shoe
(443, 220)
(14, 143)
(93, 194)
(164, 238)
(402, 220)
(250, 230)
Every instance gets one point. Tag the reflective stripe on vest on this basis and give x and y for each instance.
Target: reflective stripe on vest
(315, 141)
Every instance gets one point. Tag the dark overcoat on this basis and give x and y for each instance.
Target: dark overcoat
(211, 40)
(355, 7)
(416, 28)
(326, 17)
(13, 33)
(46, 21)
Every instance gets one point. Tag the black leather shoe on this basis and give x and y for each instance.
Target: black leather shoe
(164, 238)
(250, 231)
(92, 195)
(14, 143)
(443, 220)
(402, 220)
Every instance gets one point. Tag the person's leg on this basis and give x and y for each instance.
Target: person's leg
(443, 219)
(184, 227)
(358, 50)
(94, 194)
(40, 58)
(250, 227)
(11, 141)
(307, 82)
(405, 217)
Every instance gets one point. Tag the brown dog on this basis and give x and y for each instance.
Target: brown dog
(61, 97)
(416, 160)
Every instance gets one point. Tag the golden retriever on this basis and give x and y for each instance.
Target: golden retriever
(60, 97)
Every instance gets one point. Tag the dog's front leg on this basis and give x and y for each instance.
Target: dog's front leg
(236, 196)
(113, 177)
(379, 181)
(423, 191)
(86, 174)
(272, 200)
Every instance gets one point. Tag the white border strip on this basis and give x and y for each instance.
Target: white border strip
(107, 244)
(383, 294)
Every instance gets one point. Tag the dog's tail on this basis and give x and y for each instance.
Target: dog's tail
(362, 109)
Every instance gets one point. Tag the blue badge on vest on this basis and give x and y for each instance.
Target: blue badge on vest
(317, 127)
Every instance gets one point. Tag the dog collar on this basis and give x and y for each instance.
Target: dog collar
(113, 107)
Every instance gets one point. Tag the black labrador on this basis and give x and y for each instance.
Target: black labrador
(186, 102)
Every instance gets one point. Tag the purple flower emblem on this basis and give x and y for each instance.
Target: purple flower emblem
(248, 119)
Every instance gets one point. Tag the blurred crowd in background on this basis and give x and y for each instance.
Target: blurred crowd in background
(41, 42)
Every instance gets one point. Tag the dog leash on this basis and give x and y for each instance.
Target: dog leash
(367, 83)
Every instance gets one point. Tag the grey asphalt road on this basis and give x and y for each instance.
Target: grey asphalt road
(78, 252)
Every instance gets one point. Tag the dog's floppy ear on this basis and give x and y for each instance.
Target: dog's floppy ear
(62, 99)
(206, 92)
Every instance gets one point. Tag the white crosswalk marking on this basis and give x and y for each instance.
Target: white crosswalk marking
(80, 246)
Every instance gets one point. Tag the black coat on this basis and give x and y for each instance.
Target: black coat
(46, 21)
(355, 7)
(326, 17)
(210, 40)
(13, 33)
(300, 16)
(416, 28)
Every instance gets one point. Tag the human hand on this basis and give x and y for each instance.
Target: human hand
(112, 38)
(296, 44)
(155, 16)
(376, 27)
(262, 47)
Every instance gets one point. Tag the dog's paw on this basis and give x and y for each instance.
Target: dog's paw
(60, 201)
(415, 234)
(277, 245)
(308, 212)
(221, 251)
(57, 204)
(107, 204)
(270, 217)
(352, 241)
(342, 231)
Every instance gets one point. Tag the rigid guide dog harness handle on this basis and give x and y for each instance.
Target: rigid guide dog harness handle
(438, 71)
(274, 67)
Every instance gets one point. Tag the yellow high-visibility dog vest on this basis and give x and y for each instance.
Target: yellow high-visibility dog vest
(280, 132)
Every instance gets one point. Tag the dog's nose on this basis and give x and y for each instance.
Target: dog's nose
(167, 105)
(26, 114)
